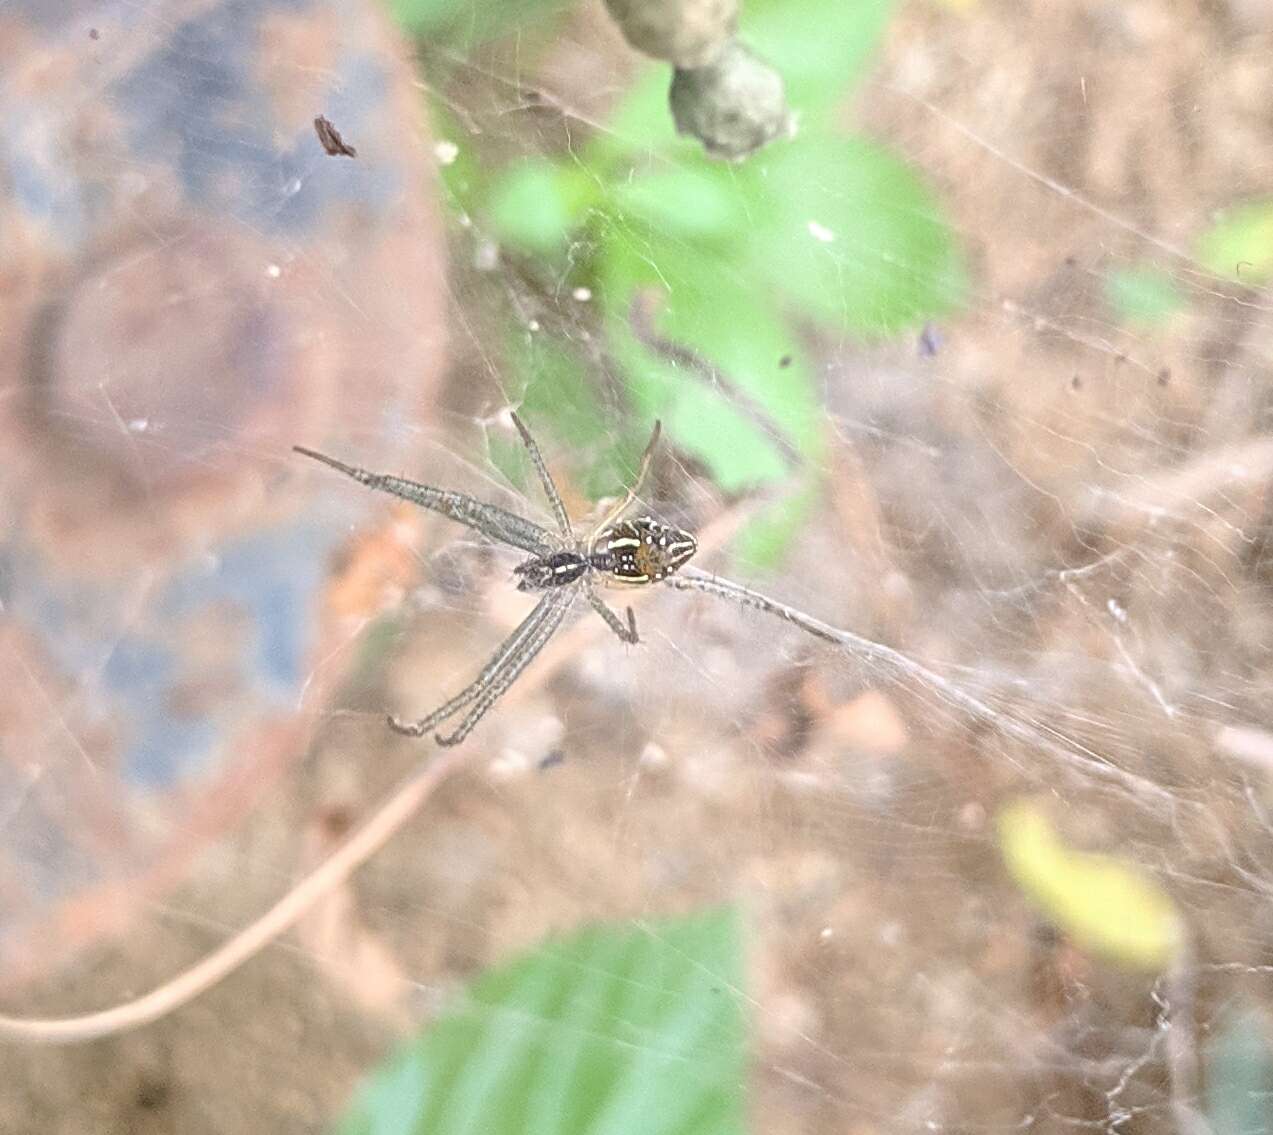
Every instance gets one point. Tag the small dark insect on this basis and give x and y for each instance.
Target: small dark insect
(929, 341)
(93, 33)
(784, 362)
(638, 551)
(331, 141)
(152, 1093)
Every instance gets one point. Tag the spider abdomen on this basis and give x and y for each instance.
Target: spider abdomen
(642, 550)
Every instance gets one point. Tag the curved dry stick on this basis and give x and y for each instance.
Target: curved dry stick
(351, 854)
(405, 800)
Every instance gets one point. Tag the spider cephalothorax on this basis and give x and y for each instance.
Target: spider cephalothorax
(637, 551)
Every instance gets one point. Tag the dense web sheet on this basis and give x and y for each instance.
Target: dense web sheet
(1041, 520)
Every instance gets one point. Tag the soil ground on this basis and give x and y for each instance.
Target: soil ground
(900, 980)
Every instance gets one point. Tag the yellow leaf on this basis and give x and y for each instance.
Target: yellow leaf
(1105, 905)
(1239, 246)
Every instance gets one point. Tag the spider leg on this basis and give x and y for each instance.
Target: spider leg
(624, 504)
(550, 490)
(556, 603)
(504, 654)
(626, 634)
(492, 521)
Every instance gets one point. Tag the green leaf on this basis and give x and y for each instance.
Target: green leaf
(467, 22)
(841, 230)
(640, 124)
(424, 15)
(1239, 246)
(761, 546)
(617, 1031)
(561, 403)
(456, 156)
(1106, 905)
(534, 205)
(852, 236)
(840, 224)
(1240, 1077)
(1142, 295)
(691, 201)
(374, 646)
(706, 305)
(820, 47)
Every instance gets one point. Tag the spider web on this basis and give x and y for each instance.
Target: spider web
(1051, 507)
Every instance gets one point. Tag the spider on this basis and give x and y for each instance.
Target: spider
(639, 551)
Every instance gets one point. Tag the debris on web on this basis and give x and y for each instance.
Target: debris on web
(722, 92)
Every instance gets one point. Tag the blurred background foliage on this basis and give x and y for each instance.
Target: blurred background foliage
(739, 266)
(824, 237)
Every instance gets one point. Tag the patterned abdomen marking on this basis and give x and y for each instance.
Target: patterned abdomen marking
(643, 550)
